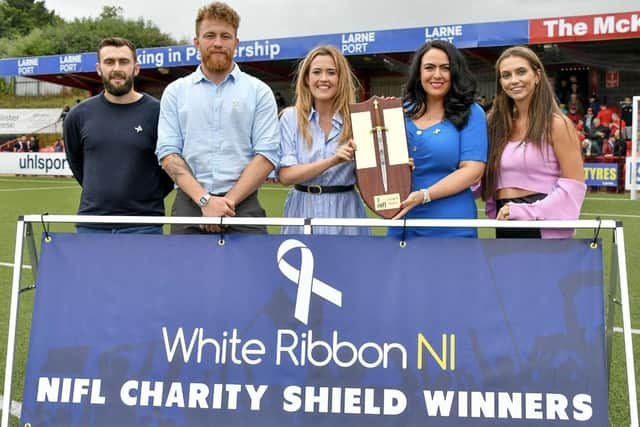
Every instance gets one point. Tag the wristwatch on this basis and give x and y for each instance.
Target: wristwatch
(204, 200)
(426, 196)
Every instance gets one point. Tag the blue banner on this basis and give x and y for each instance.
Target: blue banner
(356, 43)
(601, 174)
(143, 330)
(628, 179)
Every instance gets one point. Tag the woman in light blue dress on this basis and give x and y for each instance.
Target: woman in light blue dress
(317, 153)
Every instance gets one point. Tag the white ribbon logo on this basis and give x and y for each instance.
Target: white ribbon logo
(307, 284)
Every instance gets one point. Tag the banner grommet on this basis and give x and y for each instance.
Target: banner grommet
(596, 233)
(403, 240)
(45, 227)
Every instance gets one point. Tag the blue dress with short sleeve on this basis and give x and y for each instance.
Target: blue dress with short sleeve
(437, 151)
(295, 150)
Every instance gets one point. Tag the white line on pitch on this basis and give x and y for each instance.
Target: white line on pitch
(8, 264)
(15, 409)
(619, 329)
(615, 199)
(52, 180)
(611, 215)
(38, 188)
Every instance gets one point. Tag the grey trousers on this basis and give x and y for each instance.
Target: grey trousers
(249, 207)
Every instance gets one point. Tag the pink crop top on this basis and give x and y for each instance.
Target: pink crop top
(527, 167)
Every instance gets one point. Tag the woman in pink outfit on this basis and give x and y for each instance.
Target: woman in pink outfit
(534, 169)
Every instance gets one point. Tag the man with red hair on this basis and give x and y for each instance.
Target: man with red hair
(218, 135)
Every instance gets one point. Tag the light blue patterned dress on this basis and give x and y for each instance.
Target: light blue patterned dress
(295, 150)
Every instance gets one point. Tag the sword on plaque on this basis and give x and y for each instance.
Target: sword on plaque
(382, 158)
(378, 129)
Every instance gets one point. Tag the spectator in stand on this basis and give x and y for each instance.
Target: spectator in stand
(617, 123)
(605, 115)
(614, 145)
(592, 144)
(562, 91)
(573, 115)
(58, 147)
(483, 103)
(618, 143)
(574, 102)
(607, 145)
(21, 145)
(626, 111)
(580, 131)
(34, 144)
(28, 143)
(65, 111)
(588, 120)
(573, 80)
(594, 104)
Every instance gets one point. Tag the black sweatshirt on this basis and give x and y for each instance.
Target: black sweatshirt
(111, 152)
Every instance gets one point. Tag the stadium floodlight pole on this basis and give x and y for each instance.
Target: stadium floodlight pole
(634, 149)
(13, 322)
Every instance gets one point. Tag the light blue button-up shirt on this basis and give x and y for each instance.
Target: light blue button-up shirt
(218, 128)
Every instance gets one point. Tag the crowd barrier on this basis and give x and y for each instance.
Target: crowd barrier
(318, 330)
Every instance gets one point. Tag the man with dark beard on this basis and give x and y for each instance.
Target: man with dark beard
(218, 134)
(110, 140)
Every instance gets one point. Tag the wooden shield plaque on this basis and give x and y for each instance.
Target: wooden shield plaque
(382, 158)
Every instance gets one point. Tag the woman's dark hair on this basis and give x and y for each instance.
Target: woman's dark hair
(457, 103)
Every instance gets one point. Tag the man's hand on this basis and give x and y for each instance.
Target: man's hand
(217, 206)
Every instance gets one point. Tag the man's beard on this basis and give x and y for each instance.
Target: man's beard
(216, 63)
(123, 89)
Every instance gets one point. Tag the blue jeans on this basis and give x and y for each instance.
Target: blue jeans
(142, 229)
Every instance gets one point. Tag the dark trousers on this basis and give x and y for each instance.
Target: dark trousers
(249, 207)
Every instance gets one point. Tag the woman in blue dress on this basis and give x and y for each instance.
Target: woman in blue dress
(447, 137)
(316, 148)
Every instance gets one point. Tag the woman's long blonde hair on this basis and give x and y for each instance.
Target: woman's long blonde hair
(346, 91)
(501, 117)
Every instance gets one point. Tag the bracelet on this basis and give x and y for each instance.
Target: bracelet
(426, 197)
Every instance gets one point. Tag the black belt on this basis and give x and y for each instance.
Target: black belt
(528, 199)
(319, 189)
